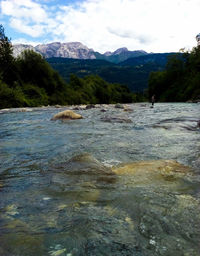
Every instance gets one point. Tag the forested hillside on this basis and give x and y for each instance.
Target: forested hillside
(180, 81)
(29, 80)
(133, 72)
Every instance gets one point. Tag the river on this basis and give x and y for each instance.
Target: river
(62, 192)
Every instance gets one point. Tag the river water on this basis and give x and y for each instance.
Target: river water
(59, 195)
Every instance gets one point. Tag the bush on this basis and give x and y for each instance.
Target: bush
(10, 97)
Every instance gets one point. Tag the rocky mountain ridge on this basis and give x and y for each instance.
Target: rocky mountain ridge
(77, 50)
(73, 50)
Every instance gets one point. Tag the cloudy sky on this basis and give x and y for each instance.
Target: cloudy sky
(104, 25)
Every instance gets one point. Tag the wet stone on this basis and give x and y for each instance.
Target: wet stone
(118, 105)
(66, 115)
(116, 119)
(83, 178)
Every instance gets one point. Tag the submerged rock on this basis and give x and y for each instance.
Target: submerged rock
(11, 210)
(84, 164)
(138, 213)
(182, 123)
(82, 177)
(80, 107)
(128, 109)
(151, 172)
(103, 110)
(90, 106)
(15, 110)
(116, 119)
(118, 105)
(163, 167)
(59, 252)
(66, 115)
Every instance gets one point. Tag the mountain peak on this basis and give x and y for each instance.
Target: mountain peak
(120, 50)
(108, 53)
(76, 50)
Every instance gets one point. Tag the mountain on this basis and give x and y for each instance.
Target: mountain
(74, 50)
(120, 55)
(18, 48)
(133, 72)
(77, 50)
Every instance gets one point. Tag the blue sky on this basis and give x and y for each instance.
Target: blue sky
(104, 25)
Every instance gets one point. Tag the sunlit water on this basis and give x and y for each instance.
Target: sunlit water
(54, 204)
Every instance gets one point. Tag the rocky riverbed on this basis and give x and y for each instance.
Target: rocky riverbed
(114, 182)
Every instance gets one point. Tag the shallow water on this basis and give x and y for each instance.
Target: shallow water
(55, 204)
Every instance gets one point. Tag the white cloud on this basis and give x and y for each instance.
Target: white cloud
(24, 9)
(25, 41)
(33, 31)
(26, 16)
(151, 25)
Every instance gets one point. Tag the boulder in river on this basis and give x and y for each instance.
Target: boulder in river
(66, 115)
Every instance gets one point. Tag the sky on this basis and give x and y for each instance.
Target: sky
(104, 25)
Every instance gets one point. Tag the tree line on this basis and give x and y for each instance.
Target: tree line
(28, 80)
(180, 81)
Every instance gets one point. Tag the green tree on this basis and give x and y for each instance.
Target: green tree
(181, 79)
(6, 57)
(34, 69)
(10, 97)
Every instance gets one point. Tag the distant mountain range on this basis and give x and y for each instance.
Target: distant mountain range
(77, 50)
(131, 68)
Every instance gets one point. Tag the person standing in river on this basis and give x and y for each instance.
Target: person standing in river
(152, 101)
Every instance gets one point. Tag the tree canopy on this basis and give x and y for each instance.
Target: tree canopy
(180, 81)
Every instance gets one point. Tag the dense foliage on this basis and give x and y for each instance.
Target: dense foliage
(29, 80)
(93, 89)
(180, 81)
(133, 72)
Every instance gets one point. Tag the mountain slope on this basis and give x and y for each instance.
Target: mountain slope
(134, 72)
(120, 55)
(156, 58)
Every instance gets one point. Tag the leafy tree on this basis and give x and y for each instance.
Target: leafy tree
(6, 57)
(181, 79)
(10, 97)
(35, 96)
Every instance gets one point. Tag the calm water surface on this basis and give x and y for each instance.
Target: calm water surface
(55, 201)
